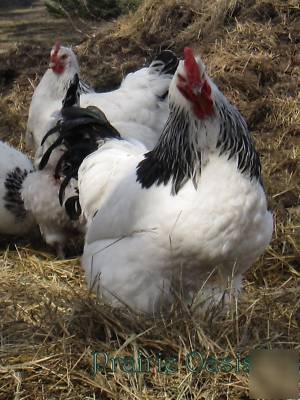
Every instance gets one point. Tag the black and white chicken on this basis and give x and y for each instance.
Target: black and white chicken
(41, 188)
(192, 210)
(30, 198)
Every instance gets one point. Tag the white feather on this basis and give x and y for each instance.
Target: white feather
(135, 110)
(136, 101)
(40, 195)
(47, 98)
(141, 241)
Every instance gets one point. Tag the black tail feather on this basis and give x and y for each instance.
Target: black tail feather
(73, 208)
(79, 133)
(48, 152)
(49, 133)
(72, 96)
(165, 63)
(72, 159)
(78, 127)
(64, 184)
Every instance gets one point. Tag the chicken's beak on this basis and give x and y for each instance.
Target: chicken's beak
(51, 64)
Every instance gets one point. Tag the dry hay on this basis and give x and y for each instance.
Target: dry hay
(51, 325)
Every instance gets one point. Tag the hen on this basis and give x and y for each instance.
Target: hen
(40, 190)
(190, 215)
(48, 95)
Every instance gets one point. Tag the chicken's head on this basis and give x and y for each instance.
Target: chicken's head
(193, 84)
(62, 58)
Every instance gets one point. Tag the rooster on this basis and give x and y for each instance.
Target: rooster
(48, 95)
(189, 215)
(76, 129)
(78, 133)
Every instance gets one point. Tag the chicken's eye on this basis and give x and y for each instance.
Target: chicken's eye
(64, 57)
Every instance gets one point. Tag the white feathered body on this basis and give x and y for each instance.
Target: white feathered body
(14, 167)
(40, 195)
(141, 239)
(137, 101)
(50, 92)
(137, 112)
(46, 100)
(144, 239)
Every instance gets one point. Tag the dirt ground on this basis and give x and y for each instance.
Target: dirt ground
(28, 22)
(27, 33)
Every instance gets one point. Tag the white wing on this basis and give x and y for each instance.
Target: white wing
(141, 99)
(101, 172)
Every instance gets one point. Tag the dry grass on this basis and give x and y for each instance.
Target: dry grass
(51, 325)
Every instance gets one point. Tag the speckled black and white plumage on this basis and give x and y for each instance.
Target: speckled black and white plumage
(178, 156)
(12, 198)
(14, 169)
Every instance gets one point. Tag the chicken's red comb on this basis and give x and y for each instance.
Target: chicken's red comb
(191, 67)
(56, 48)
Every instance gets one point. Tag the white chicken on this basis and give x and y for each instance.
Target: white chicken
(14, 168)
(140, 102)
(48, 95)
(190, 214)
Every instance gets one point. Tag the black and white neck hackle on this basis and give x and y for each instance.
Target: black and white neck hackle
(187, 139)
